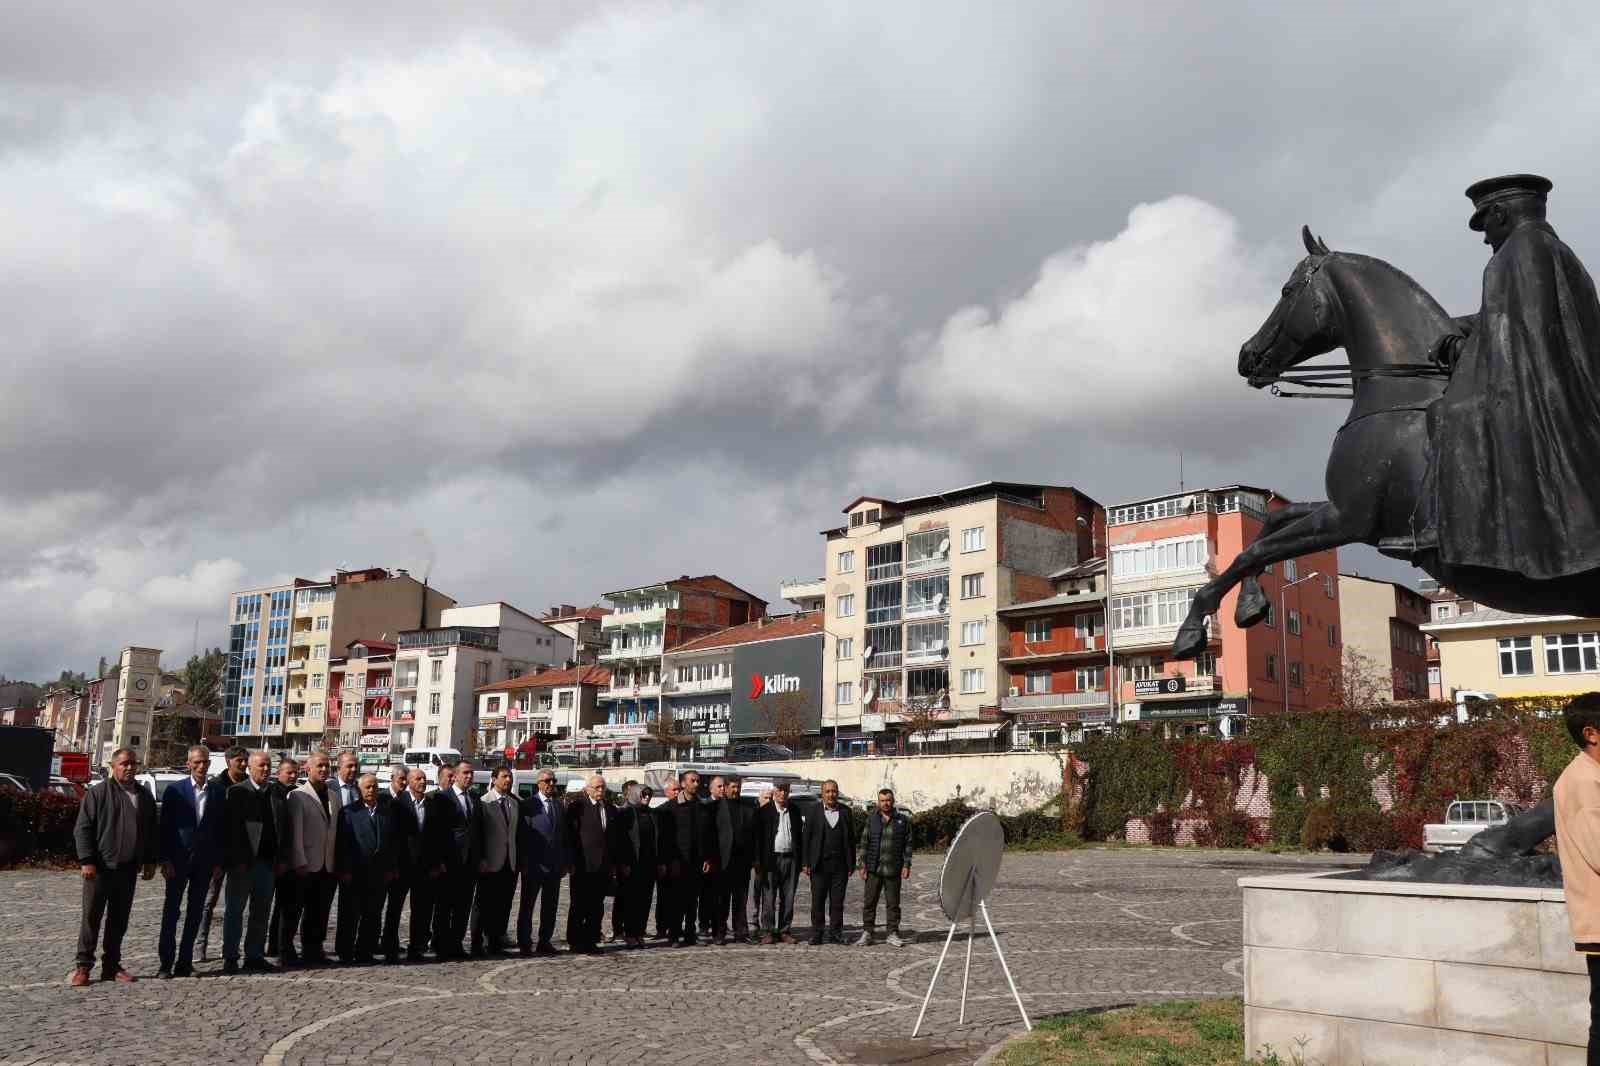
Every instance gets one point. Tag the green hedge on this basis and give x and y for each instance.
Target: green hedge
(1320, 768)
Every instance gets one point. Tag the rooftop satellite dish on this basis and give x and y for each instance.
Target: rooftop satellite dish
(871, 693)
(944, 547)
(938, 601)
(866, 654)
(971, 868)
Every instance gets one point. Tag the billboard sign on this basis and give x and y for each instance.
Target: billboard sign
(777, 687)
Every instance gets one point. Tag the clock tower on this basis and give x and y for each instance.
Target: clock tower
(138, 687)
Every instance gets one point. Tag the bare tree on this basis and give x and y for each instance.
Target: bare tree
(919, 719)
(788, 718)
(1359, 683)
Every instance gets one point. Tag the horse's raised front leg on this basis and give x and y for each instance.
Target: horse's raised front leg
(1323, 528)
(1253, 604)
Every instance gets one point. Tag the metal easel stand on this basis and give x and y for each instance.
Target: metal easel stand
(972, 923)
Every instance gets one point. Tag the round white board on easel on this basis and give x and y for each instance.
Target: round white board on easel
(971, 866)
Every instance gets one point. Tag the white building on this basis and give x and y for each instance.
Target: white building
(549, 704)
(438, 670)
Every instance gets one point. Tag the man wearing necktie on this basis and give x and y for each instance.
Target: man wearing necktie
(349, 921)
(592, 832)
(542, 856)
(497, 865)
(366, 864)
(456, 836)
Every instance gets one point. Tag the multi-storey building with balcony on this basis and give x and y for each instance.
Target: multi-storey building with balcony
(353, 605)
(1162, 551)
(526, 712)
(582, 624)
(806, 593)
(255, 677)
(1443, 605)
(1381, 621)
(914, 588)
(649, 620)
(1055, 660)
(437, 670)
(365, 697)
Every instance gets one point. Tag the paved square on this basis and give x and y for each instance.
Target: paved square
(1081, 929)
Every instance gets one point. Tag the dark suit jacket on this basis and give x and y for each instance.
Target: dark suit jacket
(639, 839)
(593, 847)
(767, 829)
(366, 846)
(686, 834)
(735, 822)
(252, 829)
(542, 849)
(187, 839)
(408, 844)
(816, 824)
(451, 839)
(100, 815)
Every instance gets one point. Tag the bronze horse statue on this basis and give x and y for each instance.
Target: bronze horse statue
(1378, 470)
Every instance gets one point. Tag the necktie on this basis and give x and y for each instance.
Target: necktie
(602, 807)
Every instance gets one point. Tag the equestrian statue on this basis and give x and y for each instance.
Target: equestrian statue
(1468, 444)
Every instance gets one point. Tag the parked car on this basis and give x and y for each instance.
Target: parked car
(1465, 819)
(156, 781)
(13, 781)
(61, 786)
(759, 751)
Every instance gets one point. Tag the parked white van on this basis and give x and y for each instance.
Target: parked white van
(430, 759)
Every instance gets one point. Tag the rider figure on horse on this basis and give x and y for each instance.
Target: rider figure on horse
(1518, 428)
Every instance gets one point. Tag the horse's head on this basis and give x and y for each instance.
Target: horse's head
(1301, 326)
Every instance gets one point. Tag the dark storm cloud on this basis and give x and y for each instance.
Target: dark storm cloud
(589, 297)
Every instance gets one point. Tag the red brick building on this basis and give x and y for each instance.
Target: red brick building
(1054, 657)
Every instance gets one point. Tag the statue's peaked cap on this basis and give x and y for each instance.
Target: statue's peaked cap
(1506, 187)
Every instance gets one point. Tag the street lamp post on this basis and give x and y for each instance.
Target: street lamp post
(1283, 628)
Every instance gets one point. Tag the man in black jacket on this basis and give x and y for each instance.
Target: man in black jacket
(828, 858)
(285, 884)
(592, 829)
(885, 862)
(542, 855)
(116, 837)
(252, 854)
(217, 792)
(735, 821)
(407, 816)
(367, 862)
(641, 854)
(686, 841)
(780, 836)
(453, 842)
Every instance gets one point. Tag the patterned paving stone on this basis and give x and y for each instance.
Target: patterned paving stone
(1080, 929)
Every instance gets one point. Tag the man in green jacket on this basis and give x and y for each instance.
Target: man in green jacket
(885, 862)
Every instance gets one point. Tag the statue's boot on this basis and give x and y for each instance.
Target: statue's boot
(1410, 549)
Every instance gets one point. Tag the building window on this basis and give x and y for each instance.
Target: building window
(1333, 636)
(1132, 612)
(1294, 622)
(316, 680)
(1271, 621)
(1272, 668)
(433, 736)
(972, 539)
(971, 586)
(433, 703)
(1159, 556)
(480, 673)
(1172, 606)
(1206, 664)
(1327, 585)
(1571, 653)
(320, 651)
(844, 693)
(1441, 612)
(847, 562)
(323, 622)
(564, 700)
(436, 671)
(1516, 656)
(1142, 668)
(845, 647)
(927, 595)
(883, 602)
(1291, 570)
(1090, 678)
(1038, 681)
(974, 632)
(1038, 630)
(1086, 625)
(846, 606)
(315, 710)
(972, 680)
(406, 674)
(1294, 674)
(1433, 675)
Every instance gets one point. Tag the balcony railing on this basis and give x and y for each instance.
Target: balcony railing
(882, 660)
(930, 609)
(637, 651)
(378, 690)
(1043, 701)
(928, 564)
(296, 664)
(884, 572)
(1146, 636)
(644, 616)
(921, 656)
(882, 615)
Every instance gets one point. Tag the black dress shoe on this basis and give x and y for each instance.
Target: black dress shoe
(545, 950)
(392, 959)
(415, 956)
(183, 969)
(816, 941)
(525, 950)
(165, 973)
(229, 968)
(259, 966)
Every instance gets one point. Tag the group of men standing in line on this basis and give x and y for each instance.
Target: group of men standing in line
(278, 852)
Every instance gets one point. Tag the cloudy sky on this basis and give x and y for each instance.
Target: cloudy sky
(564, 301)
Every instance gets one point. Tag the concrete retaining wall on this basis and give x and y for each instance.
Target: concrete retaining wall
(1011, 783)
(1363, 972)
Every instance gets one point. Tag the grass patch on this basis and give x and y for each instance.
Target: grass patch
(1204, 1032)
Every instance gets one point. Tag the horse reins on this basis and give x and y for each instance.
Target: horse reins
(1344, 377)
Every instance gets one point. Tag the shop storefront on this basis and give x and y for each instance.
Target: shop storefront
(1211, 715)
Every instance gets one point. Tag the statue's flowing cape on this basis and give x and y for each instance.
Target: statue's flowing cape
(1516, 436)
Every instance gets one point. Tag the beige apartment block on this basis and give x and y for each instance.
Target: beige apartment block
(1381, 621)
(1490, 651)
(355, 605)
(912, 589)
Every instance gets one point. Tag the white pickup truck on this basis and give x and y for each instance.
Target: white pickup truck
(1464, 820)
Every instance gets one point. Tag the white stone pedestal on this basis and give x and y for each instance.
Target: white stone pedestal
(1372, 973)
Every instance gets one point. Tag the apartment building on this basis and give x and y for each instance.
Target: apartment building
(912, 599)
(100, 697)
(1162, 550)
(522, 714)
(437, 670)
(1484, 650)
(254, 680)
(1056, 661)
(364, 697)
(1443, 605)
(582, 624)
(751, 681)
(1381, 621)
(648, 621)
(806, 593)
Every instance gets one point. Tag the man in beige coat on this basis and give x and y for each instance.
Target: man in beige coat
(314, 814)
(1577, 803)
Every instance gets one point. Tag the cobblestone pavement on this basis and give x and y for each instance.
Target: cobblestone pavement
(1080, 929)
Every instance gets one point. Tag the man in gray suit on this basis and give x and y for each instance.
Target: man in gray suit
(497, 865)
